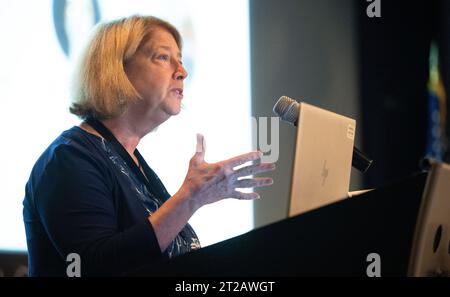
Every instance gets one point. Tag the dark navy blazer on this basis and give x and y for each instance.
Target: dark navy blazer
(83, 198)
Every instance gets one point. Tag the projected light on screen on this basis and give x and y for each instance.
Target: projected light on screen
(43, 41)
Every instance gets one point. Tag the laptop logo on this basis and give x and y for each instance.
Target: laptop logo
(324, 172)
(351, 131)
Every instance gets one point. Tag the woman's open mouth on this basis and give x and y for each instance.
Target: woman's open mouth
(178, 92)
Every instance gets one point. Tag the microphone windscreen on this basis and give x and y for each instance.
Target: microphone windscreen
(287, 109)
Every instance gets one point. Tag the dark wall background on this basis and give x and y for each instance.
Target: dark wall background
(394, 71)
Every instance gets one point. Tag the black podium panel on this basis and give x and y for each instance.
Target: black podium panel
(334, 240)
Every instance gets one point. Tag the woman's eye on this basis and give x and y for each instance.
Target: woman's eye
(163, 57)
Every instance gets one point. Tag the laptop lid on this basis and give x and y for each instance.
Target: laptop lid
(323, 158)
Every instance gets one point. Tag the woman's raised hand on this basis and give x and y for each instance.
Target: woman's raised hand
(207, 183)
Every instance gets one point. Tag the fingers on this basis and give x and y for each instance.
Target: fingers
(245, 196)
(250, 183)
(254, 182)
(201, 145)
(241, 159)
(254, 169)
(199, 156)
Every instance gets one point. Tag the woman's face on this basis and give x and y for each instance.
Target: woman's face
(157, 73)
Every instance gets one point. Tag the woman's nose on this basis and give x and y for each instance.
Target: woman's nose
(181, 73)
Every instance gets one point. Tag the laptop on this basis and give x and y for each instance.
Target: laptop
(323, 159)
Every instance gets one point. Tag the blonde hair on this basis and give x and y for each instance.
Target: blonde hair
(101, 87)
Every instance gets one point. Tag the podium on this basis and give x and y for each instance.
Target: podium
(334, 240)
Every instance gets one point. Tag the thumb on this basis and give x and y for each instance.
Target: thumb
(200, 149)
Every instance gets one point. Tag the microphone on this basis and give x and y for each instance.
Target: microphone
(288, 109)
